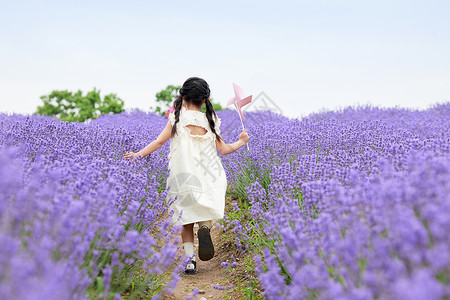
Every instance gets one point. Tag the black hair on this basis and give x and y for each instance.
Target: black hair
(195, 90)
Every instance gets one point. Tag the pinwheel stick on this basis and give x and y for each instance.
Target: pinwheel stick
(241, 123)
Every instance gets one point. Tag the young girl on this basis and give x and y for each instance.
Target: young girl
(197, 178)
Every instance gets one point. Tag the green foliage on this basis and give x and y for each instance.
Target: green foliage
(68, 106)
(166, 97)
(216, 106)
(243, 277)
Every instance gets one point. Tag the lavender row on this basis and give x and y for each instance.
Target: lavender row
(350, 205)
(75, 217)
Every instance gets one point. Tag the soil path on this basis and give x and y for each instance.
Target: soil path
(210, 273)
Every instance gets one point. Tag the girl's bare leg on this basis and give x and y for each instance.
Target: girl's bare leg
(207, 223)
(188, 233)
(188, 245)
(205, 244)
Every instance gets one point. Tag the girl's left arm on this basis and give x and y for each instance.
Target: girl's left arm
(163, 137)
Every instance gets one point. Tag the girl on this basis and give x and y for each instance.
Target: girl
(197, 178)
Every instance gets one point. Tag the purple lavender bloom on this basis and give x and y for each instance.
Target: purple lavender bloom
(353, 203)
(73, 210)
(356, 201)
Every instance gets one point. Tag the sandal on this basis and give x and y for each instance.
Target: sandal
(191, 271)
(205, 245)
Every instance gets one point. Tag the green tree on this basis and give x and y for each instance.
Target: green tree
(68, 106)
(166, 97)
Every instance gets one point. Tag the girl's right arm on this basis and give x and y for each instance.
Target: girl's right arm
(225, 149)
(163, 137)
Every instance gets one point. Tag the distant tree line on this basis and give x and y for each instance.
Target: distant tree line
(69, 106)
(73, 107)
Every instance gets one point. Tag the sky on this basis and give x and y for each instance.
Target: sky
(307, 56)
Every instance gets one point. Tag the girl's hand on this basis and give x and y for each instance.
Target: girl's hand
(132, 155)
(244, 136)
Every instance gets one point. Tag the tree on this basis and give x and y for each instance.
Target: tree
(166, 97)
(72, 107)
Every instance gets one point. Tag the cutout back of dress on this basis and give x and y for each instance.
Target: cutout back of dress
(196, 130)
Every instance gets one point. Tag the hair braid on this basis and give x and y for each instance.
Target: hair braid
(195, 90)
(209, 113)
(177, 105)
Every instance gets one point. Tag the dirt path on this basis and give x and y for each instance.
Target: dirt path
(210, 273)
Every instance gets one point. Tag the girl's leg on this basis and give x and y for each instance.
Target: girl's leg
(188, 233)
(207, 223)
(188, 245)
(205, 245)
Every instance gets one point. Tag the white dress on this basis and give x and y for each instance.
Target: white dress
(197, 178)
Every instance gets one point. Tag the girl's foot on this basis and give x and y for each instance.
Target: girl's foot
(205, 245)
(191, 268)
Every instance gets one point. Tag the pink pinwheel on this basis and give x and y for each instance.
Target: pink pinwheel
(239, 102)
(237, 99)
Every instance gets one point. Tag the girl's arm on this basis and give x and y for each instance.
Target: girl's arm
(225, 149)
(163, 137)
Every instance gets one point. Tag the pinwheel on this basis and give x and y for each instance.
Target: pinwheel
(239, 102)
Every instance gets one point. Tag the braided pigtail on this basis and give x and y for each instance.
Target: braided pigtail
(210, 112)
(195, 90)
(177, 105)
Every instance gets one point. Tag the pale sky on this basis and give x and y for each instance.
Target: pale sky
(305, 55)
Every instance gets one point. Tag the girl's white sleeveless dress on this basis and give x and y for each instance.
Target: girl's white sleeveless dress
(197, 178)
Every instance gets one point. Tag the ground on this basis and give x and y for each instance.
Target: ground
(210, 273)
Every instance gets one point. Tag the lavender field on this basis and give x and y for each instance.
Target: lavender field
(352, 204)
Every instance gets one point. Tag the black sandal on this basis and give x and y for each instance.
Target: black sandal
(205, 245)
(191, 271)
